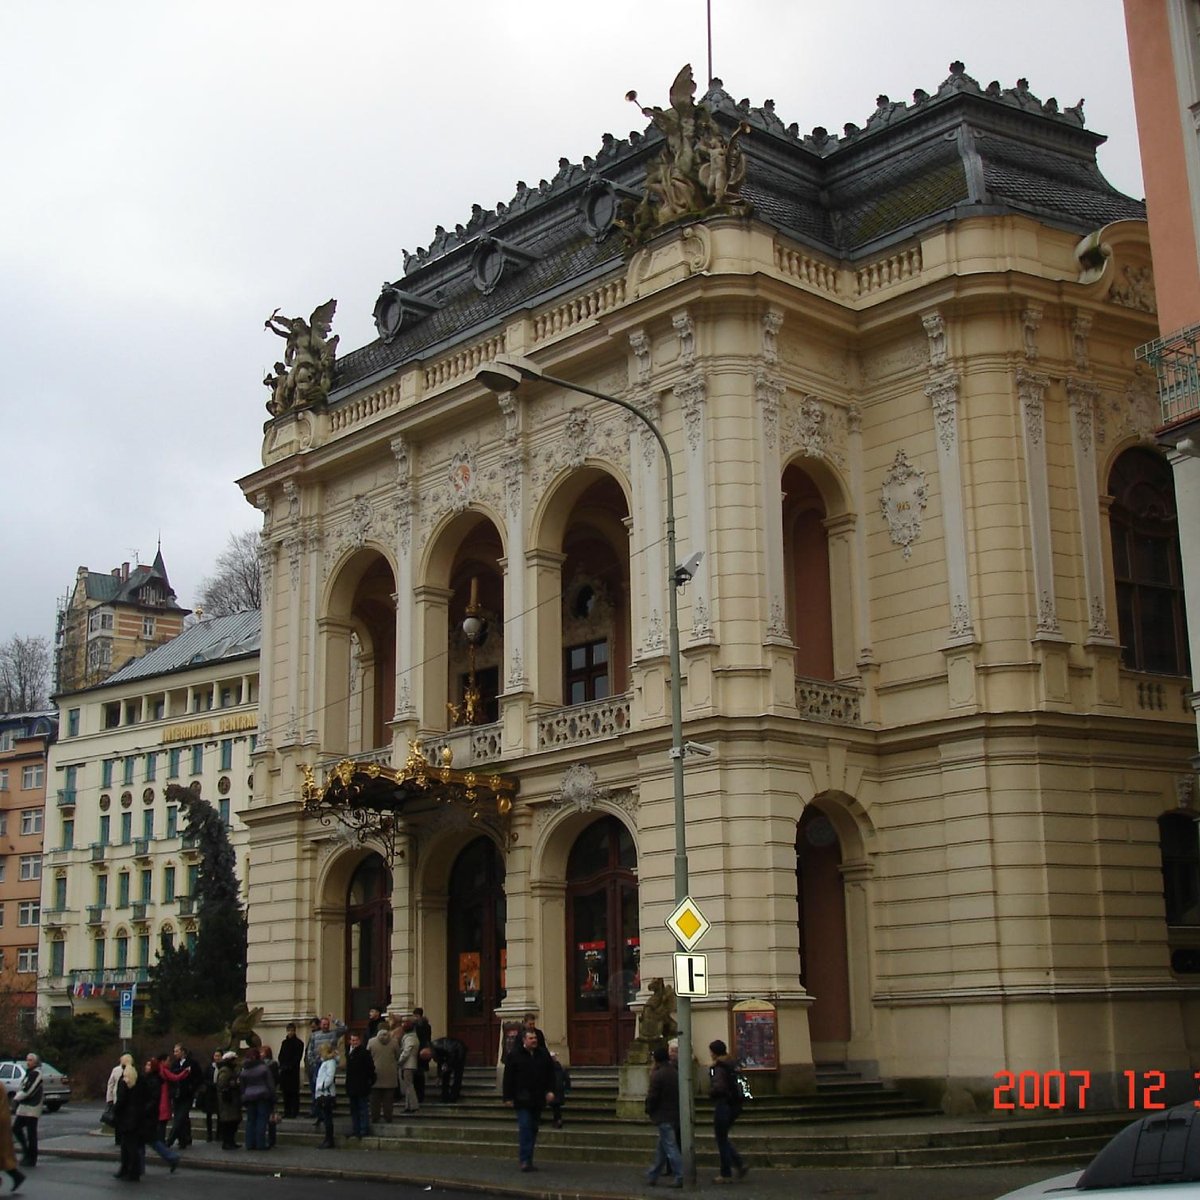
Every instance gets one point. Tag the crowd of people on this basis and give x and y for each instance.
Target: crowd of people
(151, 1107)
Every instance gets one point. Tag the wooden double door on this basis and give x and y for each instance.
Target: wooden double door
(603, 943)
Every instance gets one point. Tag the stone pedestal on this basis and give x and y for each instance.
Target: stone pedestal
(633, 1084)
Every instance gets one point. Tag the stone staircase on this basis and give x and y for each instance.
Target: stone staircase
(849, 1122)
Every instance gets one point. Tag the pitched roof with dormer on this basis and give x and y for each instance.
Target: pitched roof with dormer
(963, 150)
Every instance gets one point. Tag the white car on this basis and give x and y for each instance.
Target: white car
(1161, 1151)
(56, 1087)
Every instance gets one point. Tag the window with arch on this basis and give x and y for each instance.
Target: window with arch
(1146, 563)
(807, 575)
(1179, 845)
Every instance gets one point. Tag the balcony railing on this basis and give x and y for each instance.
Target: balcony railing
(95, 914)
(829, 703)
(380, 754)
(66, 798)
(141, 847)
(472, 745)
(99, 852)
(139, 910)
(55, 916)
(608, 718)
(187, 905)
(1174, 358)
(111, 977)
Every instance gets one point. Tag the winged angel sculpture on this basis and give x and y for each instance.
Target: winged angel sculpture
(306, 373)
(698, 171)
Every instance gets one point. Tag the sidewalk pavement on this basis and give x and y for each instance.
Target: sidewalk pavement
(566, 1181)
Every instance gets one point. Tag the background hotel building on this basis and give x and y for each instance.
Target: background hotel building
(118, 874)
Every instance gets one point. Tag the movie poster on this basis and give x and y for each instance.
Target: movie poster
(468, 975)
(591, 969)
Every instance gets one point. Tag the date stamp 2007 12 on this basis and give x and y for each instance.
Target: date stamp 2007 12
(1054, 1090)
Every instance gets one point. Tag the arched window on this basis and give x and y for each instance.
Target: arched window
(1146, 564)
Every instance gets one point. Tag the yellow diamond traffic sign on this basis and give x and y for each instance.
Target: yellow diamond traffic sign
(688, 923)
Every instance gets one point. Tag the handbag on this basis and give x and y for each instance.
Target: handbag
(109, 1115)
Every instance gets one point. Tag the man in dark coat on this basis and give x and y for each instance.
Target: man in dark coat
(528, 1088)
(424, 1032)
(291, 1055)
(450, 1057)
(360, 1079)
(662, 1107)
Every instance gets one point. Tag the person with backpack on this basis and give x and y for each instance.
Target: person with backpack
(725, 1089)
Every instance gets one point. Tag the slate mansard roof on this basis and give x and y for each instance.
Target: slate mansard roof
(960, 151)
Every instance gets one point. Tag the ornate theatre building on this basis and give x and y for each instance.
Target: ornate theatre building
(935, 644)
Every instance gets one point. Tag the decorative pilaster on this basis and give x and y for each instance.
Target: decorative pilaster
(404, 932)
(267, 552)
(943, 393)
(647, 469)
(1031, 394)
(404, 504)
(1082, 397)
(768, 391)
(309, 704)
(692, 395)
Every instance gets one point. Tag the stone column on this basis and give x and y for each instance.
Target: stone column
(404, 933)
(545, 664)
(1082, 396)
(333, 677)
(430, 671)
(1031, 393)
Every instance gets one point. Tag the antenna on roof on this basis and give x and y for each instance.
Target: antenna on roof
(132, 551)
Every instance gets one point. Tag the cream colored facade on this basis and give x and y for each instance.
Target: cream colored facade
(118, 871)
(904, 626)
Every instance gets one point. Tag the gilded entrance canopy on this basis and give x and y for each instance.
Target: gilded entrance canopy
(367, 798)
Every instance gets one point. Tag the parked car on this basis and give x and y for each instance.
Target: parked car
(56, 1087)
(1161, 1151)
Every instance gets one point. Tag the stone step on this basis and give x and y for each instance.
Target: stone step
(1063, 1141)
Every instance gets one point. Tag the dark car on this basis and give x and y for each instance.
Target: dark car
(1157, 1155)
(56, 1087)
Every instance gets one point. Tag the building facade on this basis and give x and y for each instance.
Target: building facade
(108, 619)
(118, 870)
(25, 739)
(946, 707)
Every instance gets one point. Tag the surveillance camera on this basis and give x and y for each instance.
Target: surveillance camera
(698, 748)
(687, 570)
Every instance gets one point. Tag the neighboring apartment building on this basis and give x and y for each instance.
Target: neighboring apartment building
(109, 619)
(25, 740)
(945, 702)
(1164, 58)
(118, 873)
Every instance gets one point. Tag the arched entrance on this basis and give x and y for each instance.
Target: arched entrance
(603, 943)
(475, 926)
(824, 965)
(368, 940)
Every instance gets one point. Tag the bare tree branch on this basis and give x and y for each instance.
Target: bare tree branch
(24, 674)
(235, 584)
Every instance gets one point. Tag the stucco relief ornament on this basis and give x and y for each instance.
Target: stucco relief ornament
(1081, 330)
(578, 431)
(960, 619)
(639, 342)
(772, 323)
(654, 634)
(1185, 791)
(944, 395)
(935, 331)
(461, 476)
(768, 392)
(691, 395)
(686, 330)
(1031, 389)
(776, 624)
(698, 173)
(701, 621)
(1098, 620)
(902, 499)
(808, 428)
(579, 788)
(1136, 290)
(305, 375)
(1047, 621)
(359, 522)
(1031, 318)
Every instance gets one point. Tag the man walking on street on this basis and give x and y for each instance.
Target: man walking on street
(528, 1088)
(726, 1095)
(662, 1107)
(182, 1073)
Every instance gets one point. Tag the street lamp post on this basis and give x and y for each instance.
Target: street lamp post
(505, 374)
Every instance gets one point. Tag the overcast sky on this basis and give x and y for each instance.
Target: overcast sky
(173, 172)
